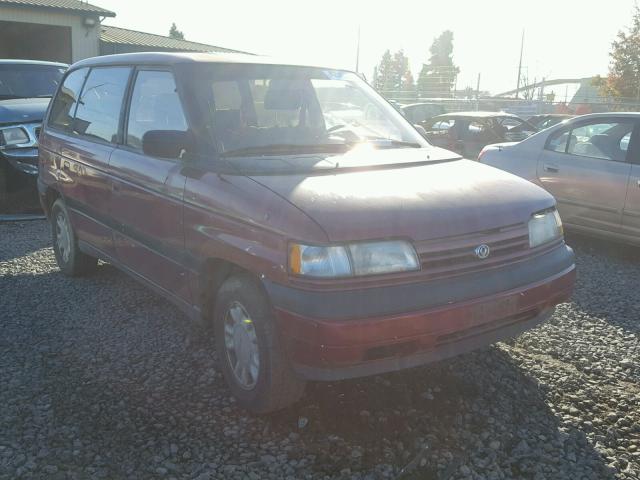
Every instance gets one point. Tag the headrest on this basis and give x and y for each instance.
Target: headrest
(284, 94)
(227, 119)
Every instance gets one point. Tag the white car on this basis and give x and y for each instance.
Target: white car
(590, 164)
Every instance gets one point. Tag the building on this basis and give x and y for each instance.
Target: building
(70, 30)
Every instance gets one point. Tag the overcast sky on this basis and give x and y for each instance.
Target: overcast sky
(563, 38)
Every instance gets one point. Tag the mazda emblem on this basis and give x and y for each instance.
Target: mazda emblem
(482, 251)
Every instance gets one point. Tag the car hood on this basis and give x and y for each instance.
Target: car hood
(415, 201)
(23, 110)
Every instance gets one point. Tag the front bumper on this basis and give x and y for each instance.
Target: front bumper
(333, 335)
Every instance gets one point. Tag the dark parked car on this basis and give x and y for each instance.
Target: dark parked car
(467, 133)
(314, 252)
(548, 120)
(25, 90)
(418, 113)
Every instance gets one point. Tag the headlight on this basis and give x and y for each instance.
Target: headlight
(356, 259)
(11, 136)
(544, 227)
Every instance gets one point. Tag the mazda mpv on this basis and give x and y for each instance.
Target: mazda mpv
(297, 214)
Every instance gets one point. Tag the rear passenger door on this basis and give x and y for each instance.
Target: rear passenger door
(83, 134)
(585, 167)
(146, 201)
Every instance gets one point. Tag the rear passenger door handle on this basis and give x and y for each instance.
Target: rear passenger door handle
(551, 168)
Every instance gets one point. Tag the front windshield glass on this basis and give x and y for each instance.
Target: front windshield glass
(28, 81)
(271, 110)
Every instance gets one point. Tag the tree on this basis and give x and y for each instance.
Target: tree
(437, 77)
(175, 33)
(392, 74)
(623, 80)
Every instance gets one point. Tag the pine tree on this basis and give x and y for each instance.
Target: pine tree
(175, 33)
(437, 77)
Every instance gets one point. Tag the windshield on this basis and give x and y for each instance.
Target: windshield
(265, 109)
(28, 81)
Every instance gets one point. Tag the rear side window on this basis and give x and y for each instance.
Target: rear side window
(100, 105)
(64, 105)
(155, 105)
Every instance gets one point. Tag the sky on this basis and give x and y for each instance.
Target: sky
(563, 38)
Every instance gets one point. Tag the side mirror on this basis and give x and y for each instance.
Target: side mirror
(420, 130)
(166, 143)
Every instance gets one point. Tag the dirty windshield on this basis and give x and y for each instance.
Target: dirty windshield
(275, 110)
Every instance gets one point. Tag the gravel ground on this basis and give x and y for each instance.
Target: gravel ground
(100, 378)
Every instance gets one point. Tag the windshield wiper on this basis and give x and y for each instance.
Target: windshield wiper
(286, 148)
(387, 142)
(9, 97)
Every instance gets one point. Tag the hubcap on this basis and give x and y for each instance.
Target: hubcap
(63, 237)
(241, 344)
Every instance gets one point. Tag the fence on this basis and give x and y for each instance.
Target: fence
(520, 106)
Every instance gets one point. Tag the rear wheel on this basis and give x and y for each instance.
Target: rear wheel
(251, 355)
(70, 259)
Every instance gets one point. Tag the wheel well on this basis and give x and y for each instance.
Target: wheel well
(215, 272)
(51, 196)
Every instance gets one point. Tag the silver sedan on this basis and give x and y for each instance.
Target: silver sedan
(590, 164)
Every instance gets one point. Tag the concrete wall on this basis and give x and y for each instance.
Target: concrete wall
(85, 42)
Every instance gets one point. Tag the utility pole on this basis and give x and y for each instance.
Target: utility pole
(478, 93)
(358, 52)
(520, 64)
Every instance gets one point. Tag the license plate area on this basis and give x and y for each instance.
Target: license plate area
(490, 311)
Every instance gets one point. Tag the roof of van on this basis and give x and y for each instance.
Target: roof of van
(174, 58)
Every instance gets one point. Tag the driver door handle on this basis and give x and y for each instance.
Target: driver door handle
(551, 168)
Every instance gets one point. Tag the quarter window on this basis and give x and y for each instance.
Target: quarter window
(155, 105)
(64, 105)
(99, 107)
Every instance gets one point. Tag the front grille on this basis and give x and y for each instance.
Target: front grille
(456, 255)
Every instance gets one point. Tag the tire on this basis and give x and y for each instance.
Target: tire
(70, 259)
(276, 385)
(4, 192)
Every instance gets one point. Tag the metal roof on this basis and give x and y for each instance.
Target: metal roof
(8, 61)
(69, 5)
(124, 36)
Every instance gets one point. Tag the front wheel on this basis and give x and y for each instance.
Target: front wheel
(251, 355)
(70, 259)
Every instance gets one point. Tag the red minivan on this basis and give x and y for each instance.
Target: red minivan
(295, 212)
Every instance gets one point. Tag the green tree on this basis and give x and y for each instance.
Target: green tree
(402, 77)
(175, 33)
(438, 76)
(392, 74)
(383, 81)
(623, 80)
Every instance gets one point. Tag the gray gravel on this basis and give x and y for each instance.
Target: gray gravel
(100, 378)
